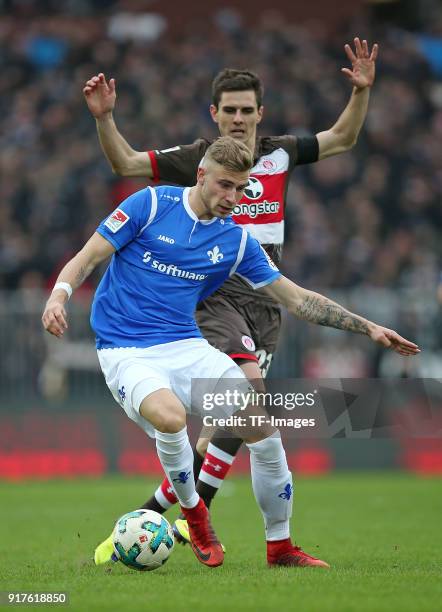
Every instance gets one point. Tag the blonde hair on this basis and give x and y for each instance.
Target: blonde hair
(229, 153)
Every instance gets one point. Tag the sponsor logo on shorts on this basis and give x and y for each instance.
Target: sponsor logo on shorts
(122, 394)
(248, 343)
(116, 220)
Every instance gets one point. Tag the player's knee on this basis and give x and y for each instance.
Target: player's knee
(201, 446)
(171, 421)
(257, 434)
(165, 416)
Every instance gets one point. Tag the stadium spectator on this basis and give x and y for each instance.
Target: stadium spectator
(53, 176)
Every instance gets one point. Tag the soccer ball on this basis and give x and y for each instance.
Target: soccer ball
(143, 540)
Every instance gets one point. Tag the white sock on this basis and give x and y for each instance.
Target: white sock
(272, 485)
(176, 456)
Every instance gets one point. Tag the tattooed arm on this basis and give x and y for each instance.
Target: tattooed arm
(75, 272)
(318, 309)
(322, 311)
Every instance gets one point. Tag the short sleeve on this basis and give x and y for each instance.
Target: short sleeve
(179, 164)
(308, 150)
(255, 266)
(126, 222)
(301, 149)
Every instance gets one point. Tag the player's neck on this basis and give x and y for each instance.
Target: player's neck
(251, 143)
(197, 205)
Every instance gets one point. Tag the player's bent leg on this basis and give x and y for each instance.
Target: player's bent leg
(167, 414)
(164, 496)
(219, 451)
(210, 473)
(222, 454)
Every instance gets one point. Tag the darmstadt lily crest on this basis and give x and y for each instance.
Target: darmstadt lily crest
(215, 255)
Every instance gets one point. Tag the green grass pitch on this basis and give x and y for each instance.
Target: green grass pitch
(381, 533)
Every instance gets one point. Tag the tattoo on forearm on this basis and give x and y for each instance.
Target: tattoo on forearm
(324, 312)
(80, 276)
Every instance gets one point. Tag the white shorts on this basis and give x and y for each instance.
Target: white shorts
(134, 373)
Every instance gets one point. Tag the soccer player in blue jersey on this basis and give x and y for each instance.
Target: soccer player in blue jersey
(243, 323)
(172, 247)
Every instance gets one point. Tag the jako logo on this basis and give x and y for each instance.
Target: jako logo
(166, 239)
(215, 255)
(182, 477)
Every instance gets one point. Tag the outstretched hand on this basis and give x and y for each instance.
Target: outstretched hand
(100, 95)
(362, 71)
(391, 339)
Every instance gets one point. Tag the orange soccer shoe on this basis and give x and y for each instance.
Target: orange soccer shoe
(203, 540)
(283, 553)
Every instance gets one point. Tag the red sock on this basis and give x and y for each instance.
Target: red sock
(165, 495)
(215, 466)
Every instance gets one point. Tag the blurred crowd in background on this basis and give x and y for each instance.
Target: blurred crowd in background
(371, 218)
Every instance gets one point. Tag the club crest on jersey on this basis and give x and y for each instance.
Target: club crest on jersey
(248, 343)
(254, 189)
(116, 220)
(268, 164)
(215, 255)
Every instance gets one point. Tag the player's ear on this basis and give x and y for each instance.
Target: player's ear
(214, 113)
(260, 114)
(200, 173)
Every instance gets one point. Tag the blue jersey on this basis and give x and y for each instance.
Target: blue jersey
(166, 261)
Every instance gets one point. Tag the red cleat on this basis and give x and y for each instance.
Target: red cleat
(283, 553)
(203, 540)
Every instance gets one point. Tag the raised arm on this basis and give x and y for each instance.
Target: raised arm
(96, 250)
(343, 135)
(100, 97)
(318, 309)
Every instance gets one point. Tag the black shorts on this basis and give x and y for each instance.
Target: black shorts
(244, 330)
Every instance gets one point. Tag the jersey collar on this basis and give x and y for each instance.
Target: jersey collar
(190, 212)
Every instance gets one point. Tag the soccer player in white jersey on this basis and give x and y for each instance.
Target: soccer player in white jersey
(171, 247)
(242, 323)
